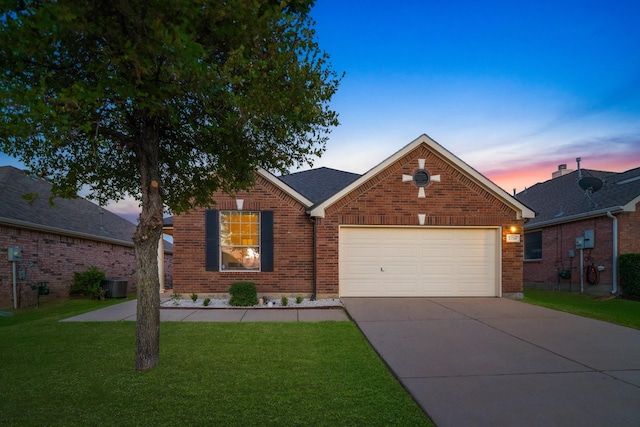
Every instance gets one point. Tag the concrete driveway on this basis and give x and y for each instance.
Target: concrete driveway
(499, 362)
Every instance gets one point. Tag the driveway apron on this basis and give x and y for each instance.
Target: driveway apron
(499, 362)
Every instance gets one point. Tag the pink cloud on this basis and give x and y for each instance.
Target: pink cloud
(523, 175)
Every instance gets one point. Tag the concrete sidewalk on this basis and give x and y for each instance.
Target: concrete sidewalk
(499, 362)
(126, 311)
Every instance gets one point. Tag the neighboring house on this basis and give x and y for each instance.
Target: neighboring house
(57, 240)
(600, 209)
(421, 223)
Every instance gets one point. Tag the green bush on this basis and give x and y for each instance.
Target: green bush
(629, 269)
(87, 283)
(243, 294)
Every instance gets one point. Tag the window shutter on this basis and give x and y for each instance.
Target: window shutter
(266, 241)
(212, 240)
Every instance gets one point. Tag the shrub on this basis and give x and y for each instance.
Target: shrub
(284, 301)
(206, 302)
(243, 294)
(194, 297)
(629, 269)
(87, 283)
(299, 300)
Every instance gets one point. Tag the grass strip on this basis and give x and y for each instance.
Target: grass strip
(613, 310)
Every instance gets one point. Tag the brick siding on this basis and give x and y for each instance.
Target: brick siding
(53, 258)
(557, 240)
(293, 246)
(456, 201)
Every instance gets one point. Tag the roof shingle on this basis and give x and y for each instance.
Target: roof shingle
(319, 184)
(560, 198)
(74, 215)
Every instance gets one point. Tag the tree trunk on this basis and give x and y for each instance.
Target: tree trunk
(145, 240)
(148, 305)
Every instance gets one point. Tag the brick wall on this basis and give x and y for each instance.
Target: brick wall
(53, 258)
(557, 240)
(293, 246)
(629, 232)
(384, 200)
(456, 201)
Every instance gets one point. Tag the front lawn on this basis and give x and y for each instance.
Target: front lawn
(237, 374)
(619, 311)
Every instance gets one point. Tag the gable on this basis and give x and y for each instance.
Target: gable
(393, 181)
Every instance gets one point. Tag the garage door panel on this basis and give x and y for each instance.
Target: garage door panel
(418, 262)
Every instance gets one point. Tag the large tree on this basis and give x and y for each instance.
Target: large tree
(161, 100)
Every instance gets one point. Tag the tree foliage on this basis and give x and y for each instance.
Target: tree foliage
(216, 86)
(162, 101)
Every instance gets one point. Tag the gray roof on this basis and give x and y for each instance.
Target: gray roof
(562, 199)
(71, 215)
(319, 184)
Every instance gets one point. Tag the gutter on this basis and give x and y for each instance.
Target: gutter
(62, 231)
(614, 286)
(315, 258)
(599, 212)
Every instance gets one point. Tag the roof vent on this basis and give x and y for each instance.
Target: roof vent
(578, 160)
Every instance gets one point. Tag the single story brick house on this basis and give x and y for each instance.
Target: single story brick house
(593, 209)
(421, 223)
(58, 240)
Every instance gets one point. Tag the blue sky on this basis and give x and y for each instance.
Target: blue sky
(513, 88)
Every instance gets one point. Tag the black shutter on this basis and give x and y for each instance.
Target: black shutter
(266, 241)
(212, 240)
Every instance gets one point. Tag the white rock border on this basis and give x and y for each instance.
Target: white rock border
(224, 303)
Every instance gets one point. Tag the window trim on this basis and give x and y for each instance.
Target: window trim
(212, 241)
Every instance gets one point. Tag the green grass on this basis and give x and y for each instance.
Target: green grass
(619, 311)
(237, 374)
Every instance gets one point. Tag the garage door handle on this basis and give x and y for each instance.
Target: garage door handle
(382, 269)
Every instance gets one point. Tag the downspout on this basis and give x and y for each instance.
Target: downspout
(614, 287)
(315, 258)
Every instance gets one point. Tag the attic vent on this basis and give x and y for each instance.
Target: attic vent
(421, 178)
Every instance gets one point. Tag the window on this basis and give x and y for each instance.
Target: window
(239, 241)
(533, 245)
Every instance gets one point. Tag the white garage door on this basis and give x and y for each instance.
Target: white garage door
(419, 261)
